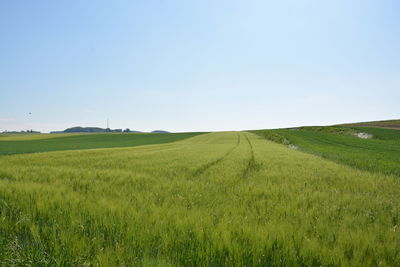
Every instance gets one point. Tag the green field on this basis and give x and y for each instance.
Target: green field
(394, 124)
(379, 154)
(28, 143)
(218, 199)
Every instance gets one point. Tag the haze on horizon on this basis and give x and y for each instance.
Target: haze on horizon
(197, 65)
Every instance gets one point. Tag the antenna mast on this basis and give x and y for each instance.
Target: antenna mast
(107, 124)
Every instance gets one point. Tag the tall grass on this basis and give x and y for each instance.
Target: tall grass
(221, 199)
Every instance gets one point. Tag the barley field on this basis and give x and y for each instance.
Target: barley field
(217, 199)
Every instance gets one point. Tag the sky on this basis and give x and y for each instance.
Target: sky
(209, 65)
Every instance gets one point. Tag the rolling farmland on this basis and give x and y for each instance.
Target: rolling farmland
(143, 133)
(216, 199)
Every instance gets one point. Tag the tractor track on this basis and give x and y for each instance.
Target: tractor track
(210, 164)
(252, 166)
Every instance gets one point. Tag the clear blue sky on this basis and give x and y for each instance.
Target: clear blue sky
(197, 65)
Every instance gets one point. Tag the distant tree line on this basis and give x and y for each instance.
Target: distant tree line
(21, 132)
(79, 129)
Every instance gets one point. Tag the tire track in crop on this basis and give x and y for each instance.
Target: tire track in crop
(208, 165)
(252, 166)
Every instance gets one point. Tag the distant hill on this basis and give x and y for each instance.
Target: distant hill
(159, 131)
(84, 130)
(79, 129)
(392, 124)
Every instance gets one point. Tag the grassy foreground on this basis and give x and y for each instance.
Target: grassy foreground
(220, 199)
(28, 143)
(379, 154)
